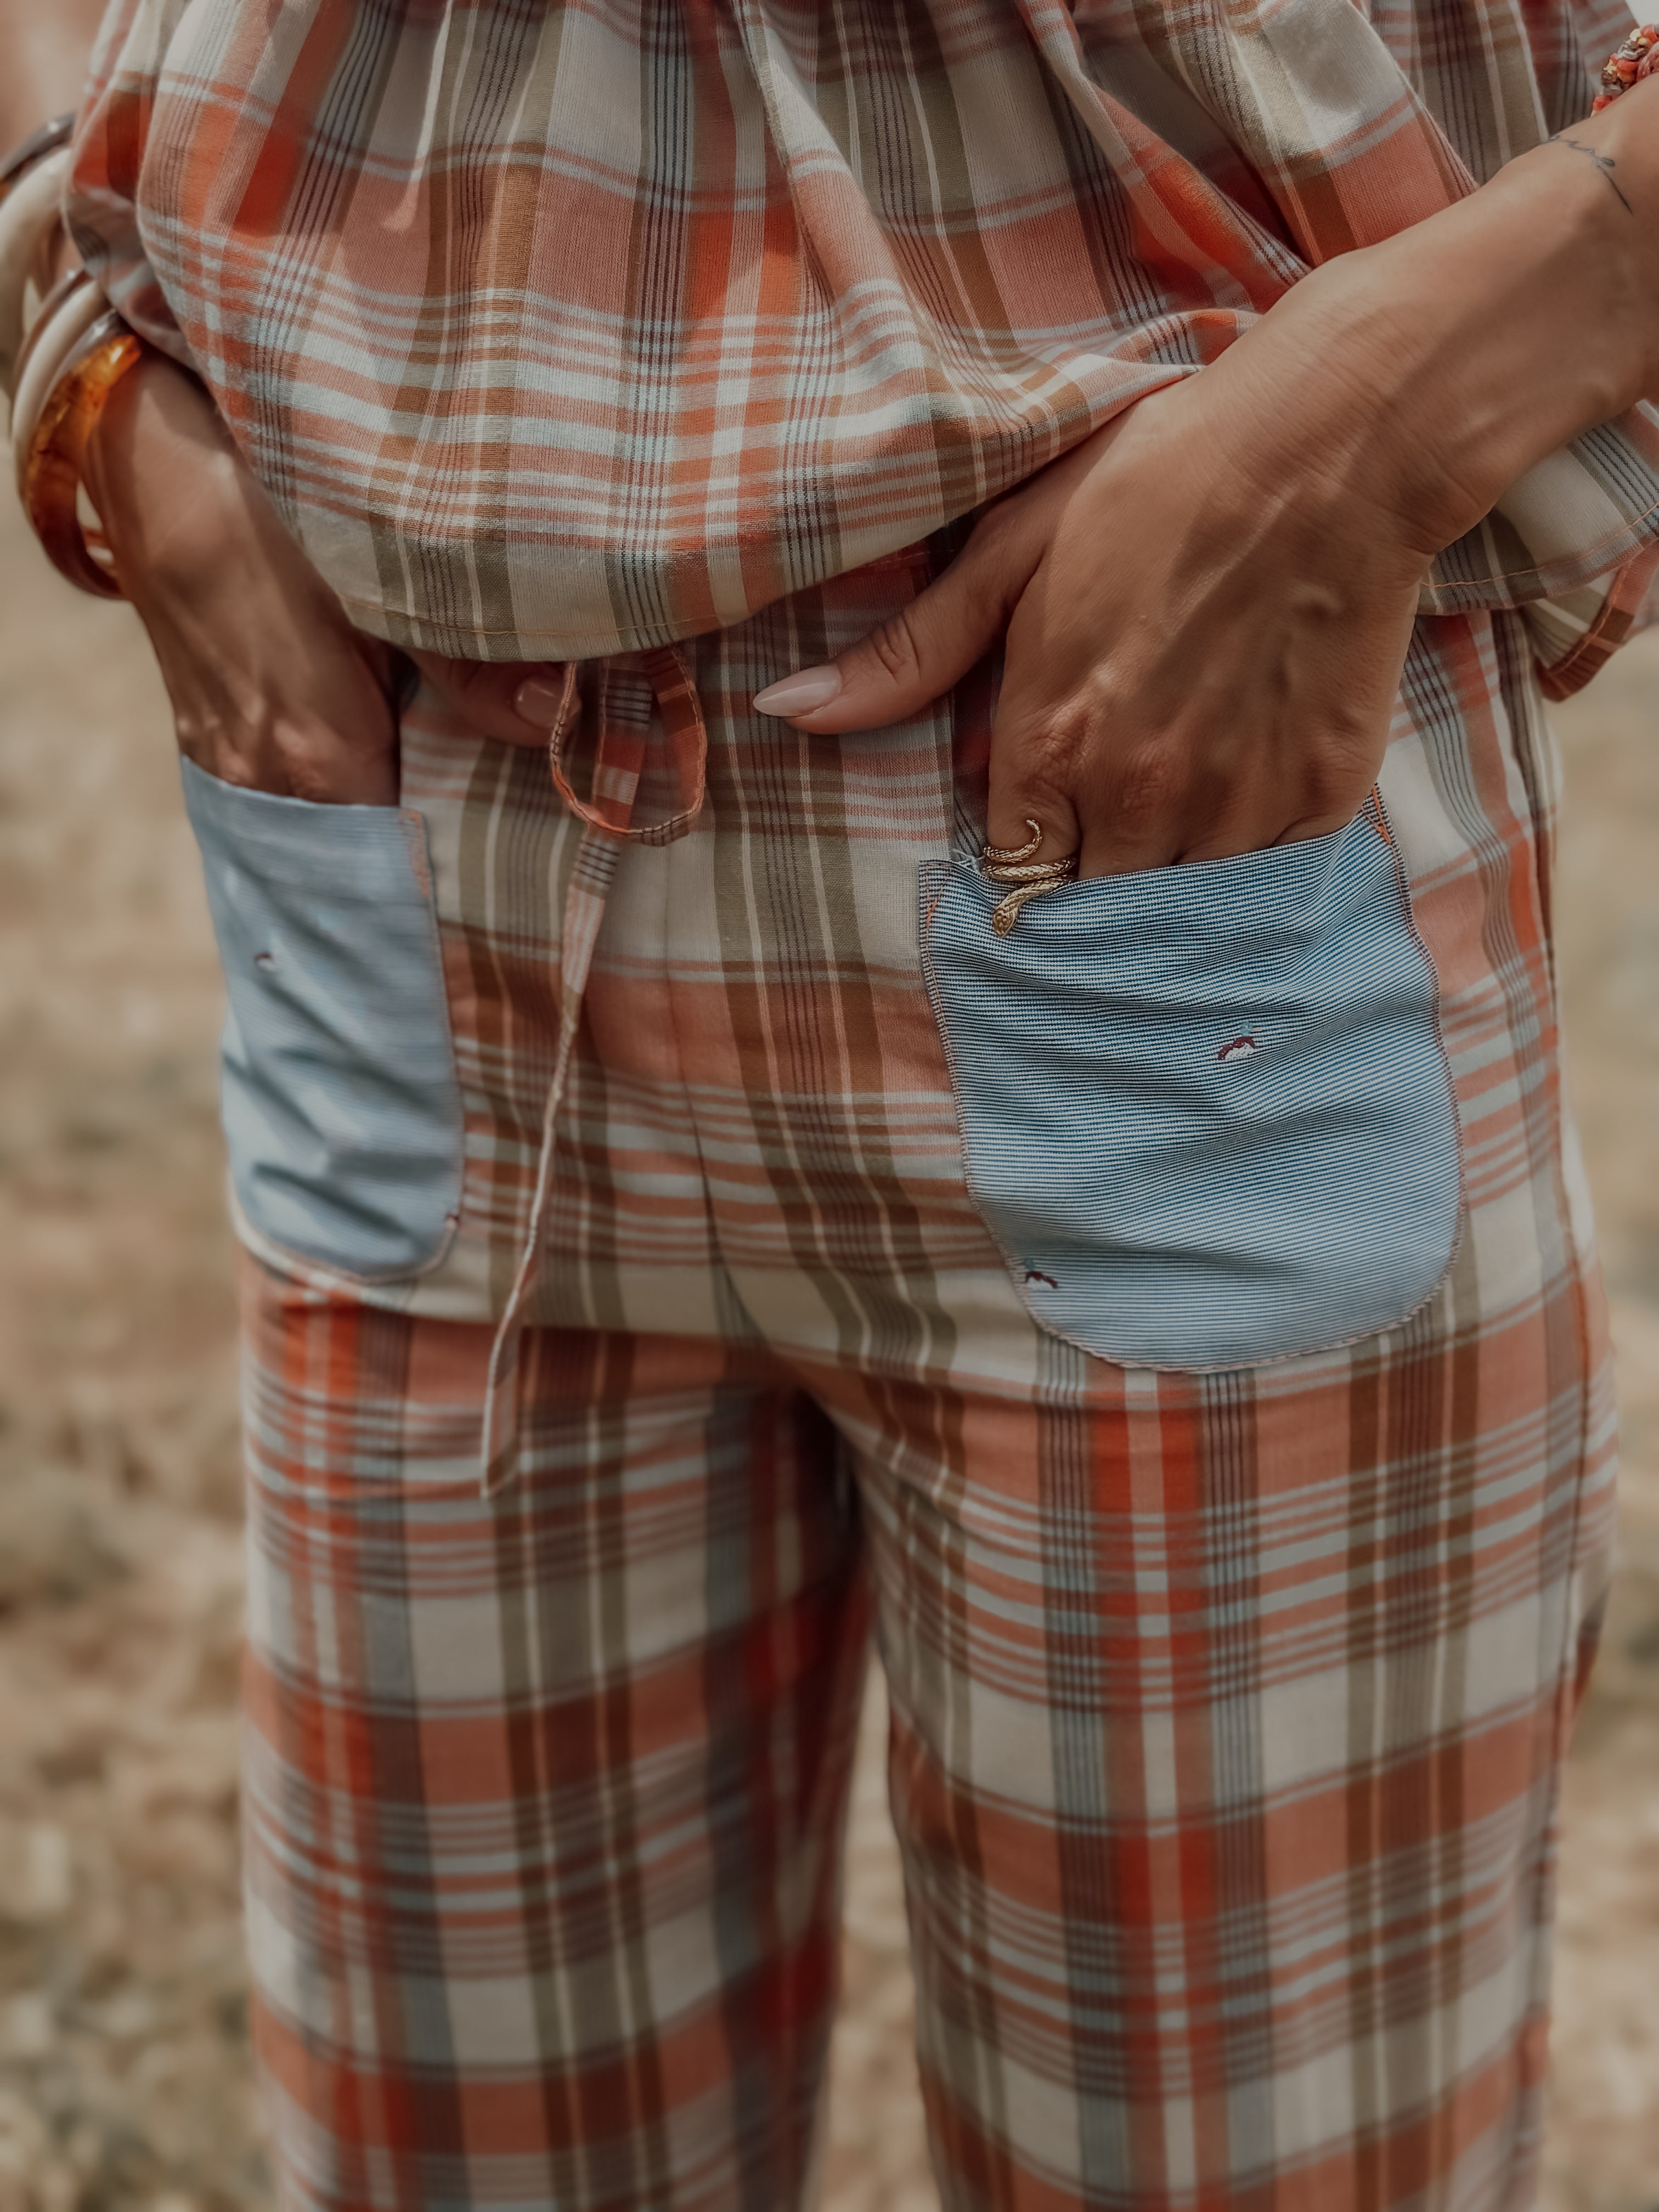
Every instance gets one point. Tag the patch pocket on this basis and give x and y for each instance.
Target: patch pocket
(341, 1103)
(1205, 1111)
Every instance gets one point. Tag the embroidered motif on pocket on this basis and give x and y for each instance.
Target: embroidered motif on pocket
(1206, 1111)
(342, 1107)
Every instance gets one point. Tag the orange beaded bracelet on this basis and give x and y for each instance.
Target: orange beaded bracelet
(1637, 57)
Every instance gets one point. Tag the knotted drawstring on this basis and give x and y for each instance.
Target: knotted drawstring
(608, 817)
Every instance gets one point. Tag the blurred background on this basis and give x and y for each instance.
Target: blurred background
(123, 2067)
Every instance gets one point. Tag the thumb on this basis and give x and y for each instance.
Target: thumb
(515, 702)
(919, 653)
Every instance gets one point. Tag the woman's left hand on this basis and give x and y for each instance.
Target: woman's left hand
(1205, 606)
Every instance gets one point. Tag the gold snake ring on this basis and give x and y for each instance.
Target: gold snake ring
(1014, 864)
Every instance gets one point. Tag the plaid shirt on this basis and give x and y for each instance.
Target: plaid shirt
(561, 330)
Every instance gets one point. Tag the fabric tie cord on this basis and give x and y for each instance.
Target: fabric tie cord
(608, 818)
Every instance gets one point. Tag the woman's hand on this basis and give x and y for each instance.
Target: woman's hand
(1208, 605)
(271, 685)
(1206, 614)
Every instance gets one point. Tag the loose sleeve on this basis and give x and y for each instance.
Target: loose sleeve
(101, 203)
(1352, 125)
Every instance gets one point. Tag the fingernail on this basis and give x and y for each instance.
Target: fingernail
(538, 701)
(801, 693)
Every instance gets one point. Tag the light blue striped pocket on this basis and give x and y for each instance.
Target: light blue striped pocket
(342, 1106)
(1206, 1111)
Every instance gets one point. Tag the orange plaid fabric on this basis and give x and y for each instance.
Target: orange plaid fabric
(563, 331)
(1228, 1709)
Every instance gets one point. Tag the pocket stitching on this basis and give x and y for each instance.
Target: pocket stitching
(277, 1252)
(934, 873)
(419, 853)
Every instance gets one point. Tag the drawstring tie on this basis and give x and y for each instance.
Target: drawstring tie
(608, 820)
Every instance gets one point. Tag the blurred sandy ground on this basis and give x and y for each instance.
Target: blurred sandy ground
(124, 2081)
(43, 49)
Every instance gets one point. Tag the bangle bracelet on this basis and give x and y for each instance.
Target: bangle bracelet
(69, 311)
(49, 461)
(46, 141)
(31, 227)
(1637, 57)
(59, 376)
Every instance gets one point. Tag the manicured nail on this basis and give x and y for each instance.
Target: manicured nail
(538, 701)
(799, 694)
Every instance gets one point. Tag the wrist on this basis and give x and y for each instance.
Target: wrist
(149, 468)
(1471, 346)
(116, 448)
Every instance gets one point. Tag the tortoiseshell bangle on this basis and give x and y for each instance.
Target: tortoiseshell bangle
(31, 234)
(45, 142)
(50, 461)
(1637, 57)
(60, 371)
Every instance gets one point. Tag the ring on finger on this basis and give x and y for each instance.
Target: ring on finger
(1016, 865)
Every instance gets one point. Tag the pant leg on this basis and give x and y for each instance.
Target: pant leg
(1229, 1711)
(1228, 1714)
(544, 1794)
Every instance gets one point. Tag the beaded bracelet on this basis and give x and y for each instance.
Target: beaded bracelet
(1634, 60)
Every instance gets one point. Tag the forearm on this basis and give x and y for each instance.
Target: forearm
(1437, 367)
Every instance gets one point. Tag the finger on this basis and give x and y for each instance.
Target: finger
(1218, 827)
(1157, 813)
(1257, 834)
(919, 653)
(314, 760)
(1266, 814)
(515, 702)
(1029, 796)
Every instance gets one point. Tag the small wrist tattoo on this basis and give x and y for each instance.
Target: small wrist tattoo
(1604, 162)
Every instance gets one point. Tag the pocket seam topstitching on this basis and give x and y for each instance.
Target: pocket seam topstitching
(414, 824)
(934, 873)
(314, 1270)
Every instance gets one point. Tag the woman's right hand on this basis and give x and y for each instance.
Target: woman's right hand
(271, 686)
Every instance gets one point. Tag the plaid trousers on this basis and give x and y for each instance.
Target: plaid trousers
(1228, 1709)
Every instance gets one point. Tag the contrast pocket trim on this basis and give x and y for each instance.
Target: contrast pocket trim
(1203, 1107)
(340, 1094)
